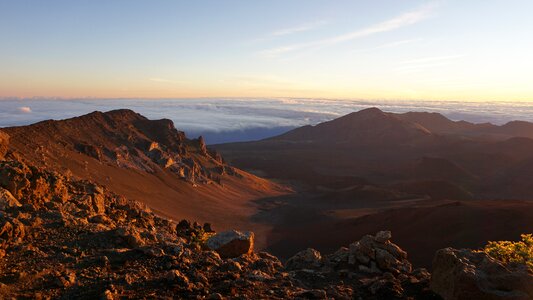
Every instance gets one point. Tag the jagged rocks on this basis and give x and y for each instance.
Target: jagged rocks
(465, 274)
(98, 203)
(7, 200)
(232, 243)
(4, 144)
(11, 229)
(373, 254)
(376, 268)
(89, 150)
(202, 146)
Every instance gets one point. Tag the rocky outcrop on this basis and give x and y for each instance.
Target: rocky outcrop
(7, 201)
(375, 268)
(465, 274)
(230, 244)
(121, 138)
(4, 143)
(90, 150)
(72, 239)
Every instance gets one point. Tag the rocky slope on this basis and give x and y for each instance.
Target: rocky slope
(145, 160)
(66, 238)
(4, 144)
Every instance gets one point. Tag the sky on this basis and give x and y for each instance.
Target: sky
(393, 50)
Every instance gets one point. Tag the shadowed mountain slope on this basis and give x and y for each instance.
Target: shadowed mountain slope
(387, 148)
(368, 126)
(405, 172)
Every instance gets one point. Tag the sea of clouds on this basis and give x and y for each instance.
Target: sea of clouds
(230, 120)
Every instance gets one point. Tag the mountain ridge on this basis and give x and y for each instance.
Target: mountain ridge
(146, 160)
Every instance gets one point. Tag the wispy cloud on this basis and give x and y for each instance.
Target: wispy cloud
(397, 22)
(431, 59)
(299, 28)
(388, 45)
(418, 64)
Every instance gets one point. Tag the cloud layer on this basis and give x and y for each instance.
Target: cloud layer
(224, 120)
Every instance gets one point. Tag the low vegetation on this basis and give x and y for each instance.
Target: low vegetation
(513, 252)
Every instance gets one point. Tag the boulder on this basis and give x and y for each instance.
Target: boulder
(465, 274)
(383, 236)
(7, 200)
(374, 254)
(306, 259)
(230, 244)
(4, 143)
(98, 203)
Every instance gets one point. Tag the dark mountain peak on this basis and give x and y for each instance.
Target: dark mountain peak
(364, 114)
(371, 111)
(362, 127)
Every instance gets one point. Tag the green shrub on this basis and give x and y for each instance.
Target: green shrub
(200, 237)
(512, 252)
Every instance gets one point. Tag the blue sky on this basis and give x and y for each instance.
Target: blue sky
(434, 50)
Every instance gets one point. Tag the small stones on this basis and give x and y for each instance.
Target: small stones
(215, 296)
(107, 295)
(177, 277)
(313, 294)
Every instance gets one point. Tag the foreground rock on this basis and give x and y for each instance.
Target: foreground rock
(230, 244)
(371, 268)
(464, 274)
(72, 239)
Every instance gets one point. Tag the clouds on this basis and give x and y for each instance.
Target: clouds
(402, 20)
(299, 28)
(24, 109)
(238, 119)
(418, 64)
